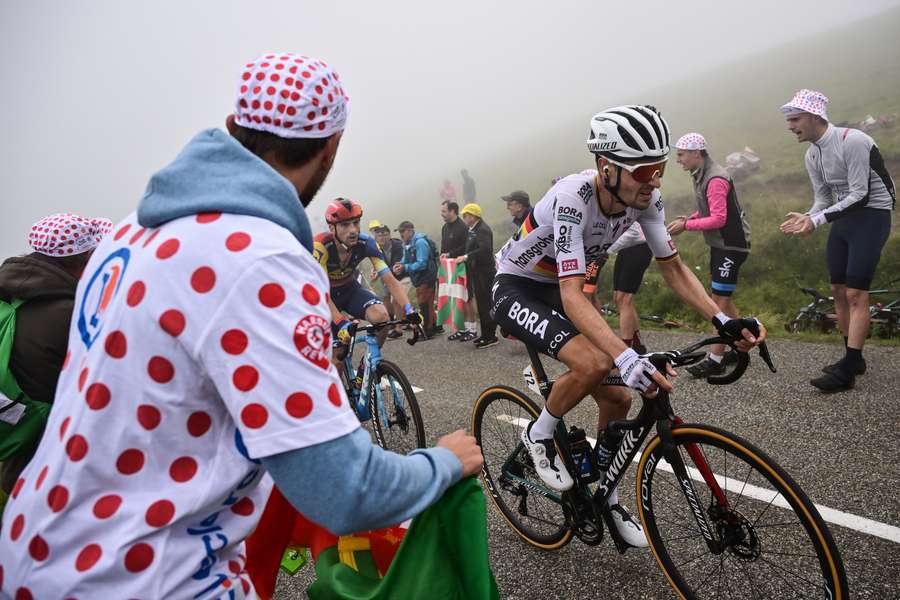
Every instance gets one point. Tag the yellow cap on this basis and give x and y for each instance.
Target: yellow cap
(375, 224)
(471, 208)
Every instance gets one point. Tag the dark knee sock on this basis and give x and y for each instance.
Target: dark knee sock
(845, 341)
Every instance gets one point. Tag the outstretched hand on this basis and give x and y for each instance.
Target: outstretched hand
(797, 224)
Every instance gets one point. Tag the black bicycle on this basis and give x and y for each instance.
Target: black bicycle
(722, 518)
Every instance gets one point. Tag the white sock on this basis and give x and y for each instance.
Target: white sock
(614, 497)
(716, 358)
(470, 326)
(544, 427)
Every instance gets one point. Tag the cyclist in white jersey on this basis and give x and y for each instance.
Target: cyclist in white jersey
(537, 294)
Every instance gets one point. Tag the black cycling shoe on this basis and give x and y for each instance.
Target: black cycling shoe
(394, 334)
(834, 381)
(859, 370)
(468, 336)
(731, 358)
(453, 337)
(706, 368)
(486, 342)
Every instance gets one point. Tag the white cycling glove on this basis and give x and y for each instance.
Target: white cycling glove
(635, 370)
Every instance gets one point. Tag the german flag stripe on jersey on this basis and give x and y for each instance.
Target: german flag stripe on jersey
(546, 266)
(529, 225)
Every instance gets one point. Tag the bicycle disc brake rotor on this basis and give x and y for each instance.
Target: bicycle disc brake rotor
(736, 533)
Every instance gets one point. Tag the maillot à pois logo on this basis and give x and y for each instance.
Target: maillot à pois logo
(101, 289)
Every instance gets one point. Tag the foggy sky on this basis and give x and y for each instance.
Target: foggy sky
(96, 96)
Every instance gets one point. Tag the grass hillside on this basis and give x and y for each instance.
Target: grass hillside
(858, 67)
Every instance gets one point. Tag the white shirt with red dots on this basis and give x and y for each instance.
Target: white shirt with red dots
(195, 349)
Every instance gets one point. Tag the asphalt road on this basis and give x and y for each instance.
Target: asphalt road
(841, 449)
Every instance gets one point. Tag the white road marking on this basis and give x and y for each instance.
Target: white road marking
(416, 390)
(830, 515)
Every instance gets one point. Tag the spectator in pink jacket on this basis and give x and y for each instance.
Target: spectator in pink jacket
(720, 217)
(447, 192)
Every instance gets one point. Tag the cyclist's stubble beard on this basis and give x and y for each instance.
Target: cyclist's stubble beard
(631, 193)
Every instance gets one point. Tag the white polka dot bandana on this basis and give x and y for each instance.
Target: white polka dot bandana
(691, 141)
(292, 96)
(808, 101)
(65, 234)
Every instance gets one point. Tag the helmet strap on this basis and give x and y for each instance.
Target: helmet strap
(614, 189)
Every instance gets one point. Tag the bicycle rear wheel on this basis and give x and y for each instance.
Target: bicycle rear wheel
(531, 509)
(399, 428)
(773, 542)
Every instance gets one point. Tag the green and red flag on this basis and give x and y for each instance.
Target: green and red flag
(443, 555)
(452, 294)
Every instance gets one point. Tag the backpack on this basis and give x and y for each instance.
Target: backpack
(433, 259)
(22, 420)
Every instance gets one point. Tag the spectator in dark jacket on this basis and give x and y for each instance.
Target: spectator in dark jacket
(454, 232)
(479, 258)
(392, 248)
(421, 266)
(46, 280)
(468, 188)
(519, 205)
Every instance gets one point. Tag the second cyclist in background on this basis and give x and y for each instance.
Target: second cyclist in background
(339, 251)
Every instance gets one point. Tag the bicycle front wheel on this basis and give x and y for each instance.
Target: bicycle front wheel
(397, 422)
(769, 539)
(528, 505)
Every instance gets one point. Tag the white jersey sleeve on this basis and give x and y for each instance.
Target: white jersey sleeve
(653, 223)
(267, 350)
(568, 234)
(633, 237)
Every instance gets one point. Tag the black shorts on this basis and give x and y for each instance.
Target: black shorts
(354, 299)
(532, 312)
(854, 247)
(723, 270)
(631, 263)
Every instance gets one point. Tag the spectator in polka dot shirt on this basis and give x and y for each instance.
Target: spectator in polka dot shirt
(198, 371)
(45, 280)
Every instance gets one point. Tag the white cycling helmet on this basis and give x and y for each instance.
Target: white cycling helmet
(632, 133)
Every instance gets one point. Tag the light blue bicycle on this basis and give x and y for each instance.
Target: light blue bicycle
(381, 394)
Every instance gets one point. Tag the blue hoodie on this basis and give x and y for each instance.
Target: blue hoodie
(417, 260)
(347, 484)
(215, 173)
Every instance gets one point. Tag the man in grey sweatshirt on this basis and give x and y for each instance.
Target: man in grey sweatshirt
(855, 194)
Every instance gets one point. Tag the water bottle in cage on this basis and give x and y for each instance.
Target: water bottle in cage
(583, 456)
(607, 445)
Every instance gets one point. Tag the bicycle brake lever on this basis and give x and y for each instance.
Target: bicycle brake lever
(767, 358)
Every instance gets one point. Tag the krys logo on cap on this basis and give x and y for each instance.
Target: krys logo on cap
(99, 293)
(312, 337)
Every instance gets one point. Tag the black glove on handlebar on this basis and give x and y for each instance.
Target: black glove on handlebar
(731, 329)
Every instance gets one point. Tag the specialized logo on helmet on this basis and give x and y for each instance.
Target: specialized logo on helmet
(101, 289)
(599, 146)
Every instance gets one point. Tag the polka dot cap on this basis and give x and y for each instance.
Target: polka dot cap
(292, 96)
(691, 141)
(808, 101)
(65, 234)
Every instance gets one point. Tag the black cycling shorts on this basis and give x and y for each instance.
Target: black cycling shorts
(354, 299)
(532, 312)
(723, 270)
(631, 263)
(854, 246)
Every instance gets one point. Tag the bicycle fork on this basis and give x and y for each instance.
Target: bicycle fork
(686, 484)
